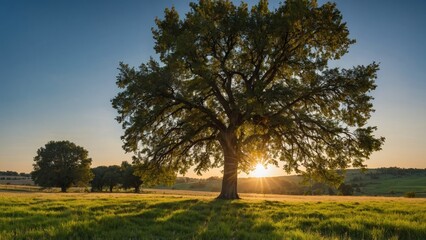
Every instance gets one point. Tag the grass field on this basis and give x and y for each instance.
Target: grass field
(167, 214)
(389, 185)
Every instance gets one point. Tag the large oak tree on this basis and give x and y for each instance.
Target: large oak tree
(237, 85)
(62, 164)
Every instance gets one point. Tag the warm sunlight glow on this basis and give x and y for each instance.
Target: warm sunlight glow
(259, 171)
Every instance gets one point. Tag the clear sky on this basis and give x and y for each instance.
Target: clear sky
(59, 59)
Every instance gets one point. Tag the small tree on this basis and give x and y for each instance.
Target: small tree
(112, 176)
(410, 194)
(61, 164)
(346, 189)
(97, 182)
(237, 86)
(129, 179)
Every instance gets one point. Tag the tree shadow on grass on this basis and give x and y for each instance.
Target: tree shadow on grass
(183, 219)
(180, 218)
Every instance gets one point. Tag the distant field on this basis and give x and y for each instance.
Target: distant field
(16, 180)
(391, 182)
(388, 186)
(168, 214)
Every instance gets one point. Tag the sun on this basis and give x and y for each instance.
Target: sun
(259, 171)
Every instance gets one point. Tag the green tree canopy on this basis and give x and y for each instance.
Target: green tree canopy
(98, 182)
(112, 176)
(130, 179)
(61, 164)
(239, 85)
(106, 176)
(152, 173)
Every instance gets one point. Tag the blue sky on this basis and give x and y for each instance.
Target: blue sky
(59, 59)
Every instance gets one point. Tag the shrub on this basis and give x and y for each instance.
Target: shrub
(345, 190)
(410, 195)
(197, 185)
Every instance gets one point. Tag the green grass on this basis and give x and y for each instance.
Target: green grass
(157, 216)
(388, 184)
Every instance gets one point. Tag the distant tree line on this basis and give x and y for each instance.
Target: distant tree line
(63, 164)
(396, 171)
(14, 174)
(109, 177)
(385, 172)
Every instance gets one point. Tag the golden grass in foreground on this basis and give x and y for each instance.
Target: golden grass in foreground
(168, 214)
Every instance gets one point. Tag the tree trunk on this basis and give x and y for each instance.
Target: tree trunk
(63, 189)
(110, 188)
(230, 171)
